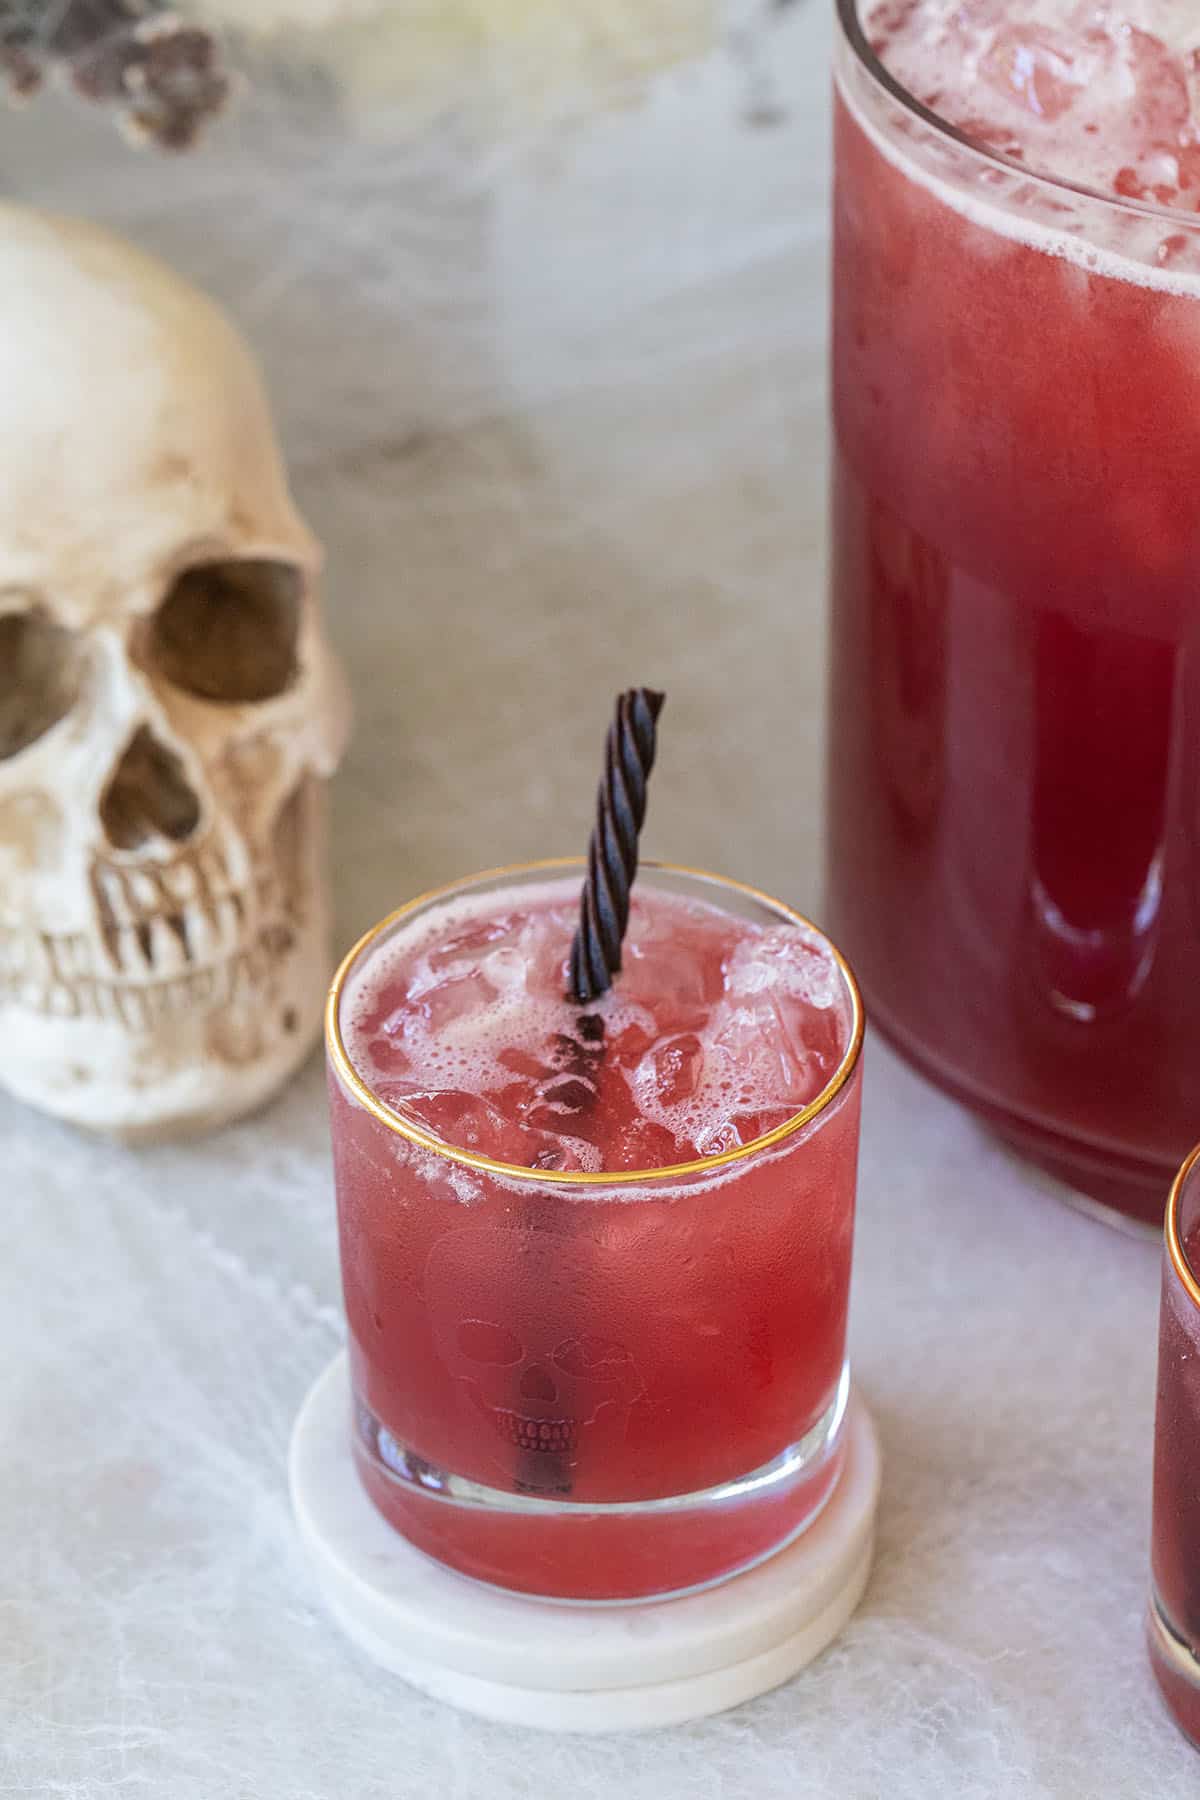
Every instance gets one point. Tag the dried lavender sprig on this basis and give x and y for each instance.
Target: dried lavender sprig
(613, 849)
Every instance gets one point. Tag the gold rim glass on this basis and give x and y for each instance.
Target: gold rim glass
(1183, 1210)
(745, 897)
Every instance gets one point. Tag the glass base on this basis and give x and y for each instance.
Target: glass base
(558, 1667)
(1119, 1190)
(1176, 1669)
(603, 1554)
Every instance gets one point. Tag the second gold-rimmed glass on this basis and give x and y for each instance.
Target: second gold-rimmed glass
(1174, 1621)
(676, 1336)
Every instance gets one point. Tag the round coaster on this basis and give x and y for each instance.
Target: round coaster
(582, 1668)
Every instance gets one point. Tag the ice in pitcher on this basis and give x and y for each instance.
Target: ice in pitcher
(1105, 95)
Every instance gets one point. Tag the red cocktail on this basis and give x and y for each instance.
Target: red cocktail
(596, 1259)
(1014, 807)
(1174, 1625)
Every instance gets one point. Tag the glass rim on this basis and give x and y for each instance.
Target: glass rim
(1173, 1238)
(354, 1083)
(848, 11)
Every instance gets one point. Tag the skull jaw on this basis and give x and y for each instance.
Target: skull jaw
(539, 1444)
(181, 1059)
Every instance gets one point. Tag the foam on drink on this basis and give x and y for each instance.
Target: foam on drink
(1106, 97)
(715, 1031)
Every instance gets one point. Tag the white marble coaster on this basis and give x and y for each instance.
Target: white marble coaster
(583, 1668)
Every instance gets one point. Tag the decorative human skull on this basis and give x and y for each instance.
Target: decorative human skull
(168, 704)
(513, 1322)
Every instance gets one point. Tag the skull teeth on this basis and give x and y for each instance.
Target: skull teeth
(131, 951)
(145, 889)
(60, 1001)
(139, 1004)
(202, 934)
(168, 946)
(212, 870)
(181, 881)
(113, 895)
(71, 955)
(162, 920)
(172, 936)
(551, 1436)
(228, 915)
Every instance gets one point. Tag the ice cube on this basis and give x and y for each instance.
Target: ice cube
(630, 1045)
(1174, 249)
(549, 1158)
(1188, 165)
(545, 949)
(674, 975)
(465, 950)
(1155, 177)
(1162, 105)
(564, 1103)
(1045, 71)
(507, 968)
(469, 1122)
(454, 999)
(516, 1098)
(765, 1060)
(726, 1135)
(784, 961)
(982, 13)
(386, 1054)
(383, 1010)
(643, 1145)
(670, 1073)
(740, 1129)
(569, 1093)
(715, 1140)
(558, 1153)
(819, 1034)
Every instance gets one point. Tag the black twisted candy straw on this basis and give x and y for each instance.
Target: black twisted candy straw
(613, 848)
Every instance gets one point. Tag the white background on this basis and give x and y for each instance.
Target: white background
(553, 393)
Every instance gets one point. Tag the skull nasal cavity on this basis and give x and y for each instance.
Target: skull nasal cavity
(148, 796)
(537, 1385)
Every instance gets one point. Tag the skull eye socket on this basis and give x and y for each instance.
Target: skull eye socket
(484, 1343)
(227, 631)
(590, 1355)
(39, 678)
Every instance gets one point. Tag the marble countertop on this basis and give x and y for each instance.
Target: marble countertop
(554, 399)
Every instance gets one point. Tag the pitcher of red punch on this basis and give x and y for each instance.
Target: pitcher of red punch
(1015, 783)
